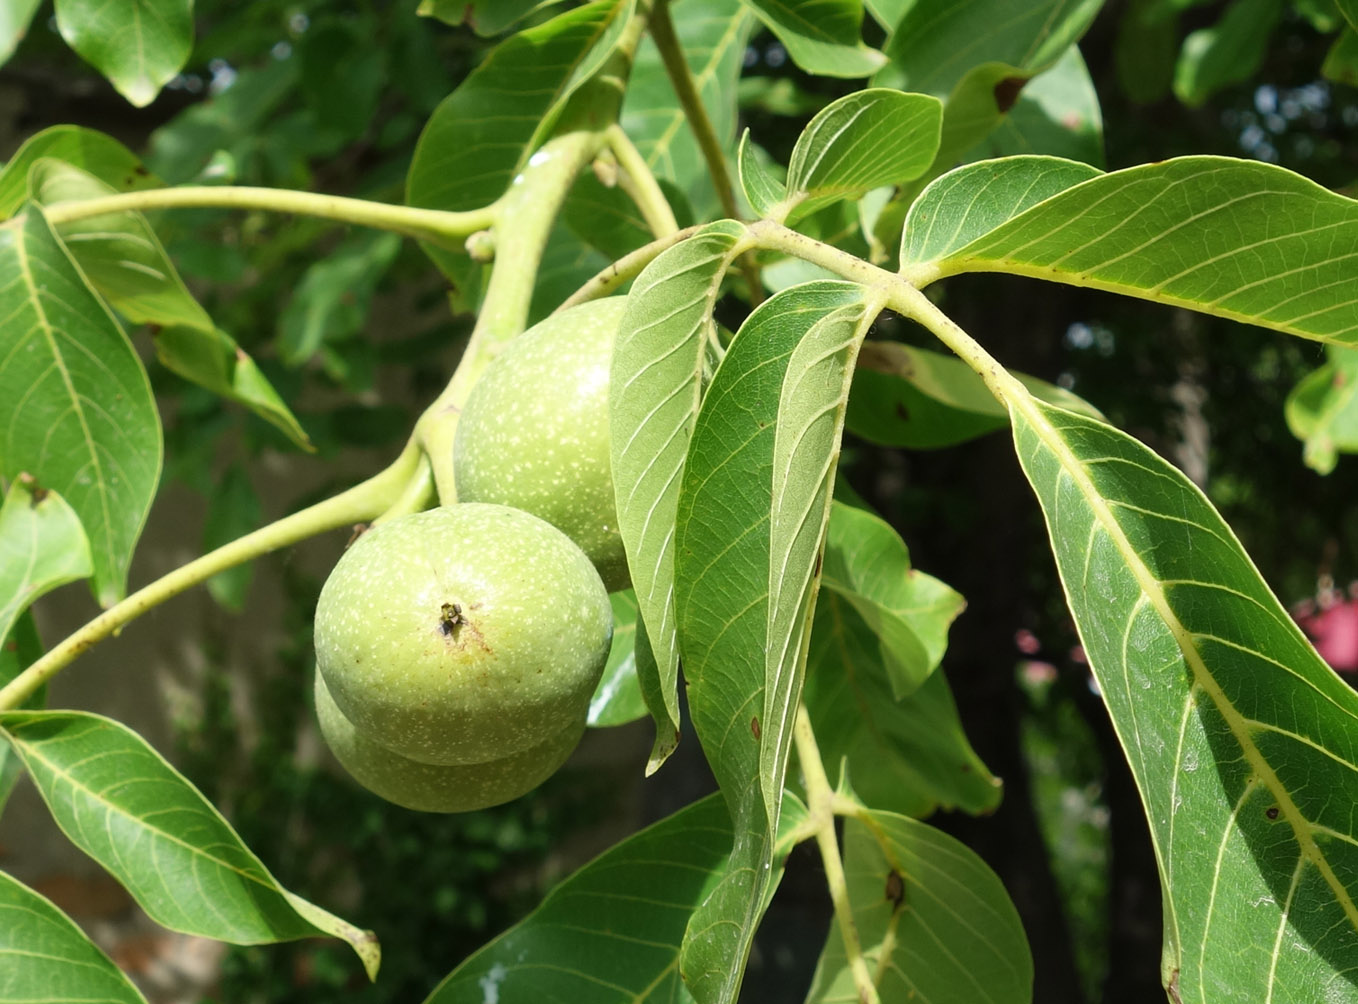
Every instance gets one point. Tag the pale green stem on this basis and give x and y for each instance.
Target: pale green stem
(686, 90)
(359, 504)
(820, 799)
(639, 182)
(433, 225)
(527, 213)
(626, 268)
(900, 295)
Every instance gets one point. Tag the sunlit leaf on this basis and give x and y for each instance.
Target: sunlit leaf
(906, 396)
(90, 150)
(938, 42)
(908, 756)
(659, 356)
(484, 132)
(45, 957)
(869, 139)
(1226, 53)
(118, 252)
(139, 45)
(822, 36)
(1057, 113)
(867, 564)
(748, 532)
(15, 18)
(617, 699)
(763, 191)
(1239, 239)
(1322, 410)
(42, 546)
(1240, 737)
(75, 404)
(119, 801)
(712, 34)
(934, 921)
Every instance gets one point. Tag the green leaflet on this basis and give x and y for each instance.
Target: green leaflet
(613, 928)
(119, 801)
(934, 921)
(908, 756)
(968, 203)
(1239, 239)
(1240, 738)
(617, 699)
(91, 151)
(822, 37)
(752, 511)
(139, 45)
(867, 564)
(659, 355)
(123, 259)
(485, 131)
(1322, 410)
(75, 403)
(42, 546)
(907, 396)
(45, 957)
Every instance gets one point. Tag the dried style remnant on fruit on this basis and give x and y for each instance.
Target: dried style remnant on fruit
(456, 652)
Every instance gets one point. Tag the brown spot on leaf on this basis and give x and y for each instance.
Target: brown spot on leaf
(1271, 812)
(1007, 92)
(902, 412)
(754, 727)
(359, 530)
(895, 889)
(1173, 987)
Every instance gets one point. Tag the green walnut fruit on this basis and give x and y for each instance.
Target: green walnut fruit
(462, 635)
(431, 787)
(534, 431)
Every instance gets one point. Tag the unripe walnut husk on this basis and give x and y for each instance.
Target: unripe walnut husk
(534, 432)
(461, 635)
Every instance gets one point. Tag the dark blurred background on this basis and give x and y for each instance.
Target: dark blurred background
(353, 329)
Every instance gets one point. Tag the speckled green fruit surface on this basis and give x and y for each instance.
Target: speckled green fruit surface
(440, 787)
(534, 431)
(462, 634)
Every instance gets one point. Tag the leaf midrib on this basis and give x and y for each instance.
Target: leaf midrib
(27, 751)
(1309, 851)
(49, 335)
